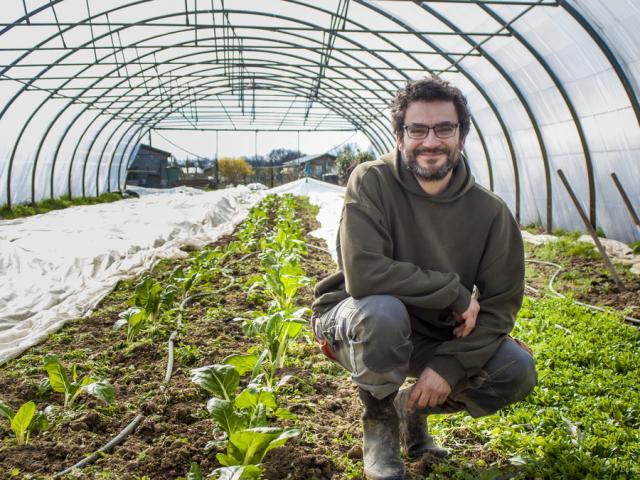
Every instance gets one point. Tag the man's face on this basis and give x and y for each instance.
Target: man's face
(430, 158)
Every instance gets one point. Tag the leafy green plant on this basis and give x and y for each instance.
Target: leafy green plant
(72, 386)
(134, 318)
(280, 282)
(238, 472)
(148, 302)
(195, 473)
(219, 380)
(185, 280)
(208, 263)
(234, 411)
(276, 331)
(153, 298)
(565, 248)
(581, 421)
(247, 448)
(24, 421)
(243, 417)
(250, 230)
(187, 354)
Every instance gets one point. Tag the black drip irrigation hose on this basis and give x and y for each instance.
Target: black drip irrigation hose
(174, 334)
(124, 433)
(98, 453)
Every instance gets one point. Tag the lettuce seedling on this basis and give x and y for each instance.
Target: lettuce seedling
(152, 298)
(219, 380)
(24, 421)
(281, 282)
(276, 331)
(230, 411)
(73, 387)
(195, 472)
(149, 300)
(134, 318)
(248, 447)
(238, 472)
(184, 281)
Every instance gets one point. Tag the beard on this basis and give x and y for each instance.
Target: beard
(435, 172)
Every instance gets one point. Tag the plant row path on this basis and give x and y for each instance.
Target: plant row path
(582, 421)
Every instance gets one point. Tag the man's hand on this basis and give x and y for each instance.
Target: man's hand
(429, 391)
(467, 319)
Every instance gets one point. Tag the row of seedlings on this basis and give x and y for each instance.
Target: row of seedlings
(246, 414)
(152, 313)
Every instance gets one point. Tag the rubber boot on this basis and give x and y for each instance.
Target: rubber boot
(414, 432)
(381, 443)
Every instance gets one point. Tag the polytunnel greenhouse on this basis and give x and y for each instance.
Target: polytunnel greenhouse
(168, 333)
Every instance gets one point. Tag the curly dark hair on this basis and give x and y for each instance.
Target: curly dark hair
(429, 89)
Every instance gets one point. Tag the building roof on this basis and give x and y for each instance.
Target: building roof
(154, 150)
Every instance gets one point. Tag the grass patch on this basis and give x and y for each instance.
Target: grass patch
(565, 248)
(44, 206)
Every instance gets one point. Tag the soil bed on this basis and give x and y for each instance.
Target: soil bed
(584, 277)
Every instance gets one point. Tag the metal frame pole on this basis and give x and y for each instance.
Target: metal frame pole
(592, 232)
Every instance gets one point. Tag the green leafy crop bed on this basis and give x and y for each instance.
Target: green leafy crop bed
(581, 421)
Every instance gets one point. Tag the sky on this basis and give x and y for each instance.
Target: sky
(188, 144)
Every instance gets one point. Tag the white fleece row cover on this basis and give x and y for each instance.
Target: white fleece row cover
(57, 266)
(328, 197)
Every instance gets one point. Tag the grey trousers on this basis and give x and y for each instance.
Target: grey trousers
(371, 337)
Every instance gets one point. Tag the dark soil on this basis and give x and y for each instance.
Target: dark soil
(588, 281)
(176, 429)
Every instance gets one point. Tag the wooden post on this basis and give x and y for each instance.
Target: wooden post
(626, 200)
(592, 232)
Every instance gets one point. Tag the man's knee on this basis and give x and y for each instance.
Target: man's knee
(382, 316)
(521, 376)
(382, 324)
(528, 376)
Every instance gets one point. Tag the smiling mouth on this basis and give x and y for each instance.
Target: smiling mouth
(430, 155)
(431, 152)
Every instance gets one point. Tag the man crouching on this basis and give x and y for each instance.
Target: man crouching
(416, 235)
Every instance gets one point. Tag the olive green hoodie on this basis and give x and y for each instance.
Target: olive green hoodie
(429, 251)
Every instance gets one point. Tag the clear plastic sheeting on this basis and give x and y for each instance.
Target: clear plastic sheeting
(552, 85)
(59, 265)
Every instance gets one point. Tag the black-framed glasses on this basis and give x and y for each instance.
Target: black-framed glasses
(419, 131)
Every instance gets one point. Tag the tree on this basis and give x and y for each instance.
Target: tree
(203, 163)
(280, 155)
(348, 158)
(234, 170)
(257, 160)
